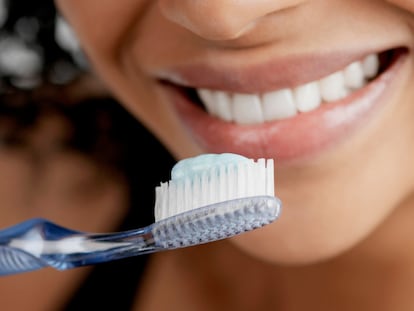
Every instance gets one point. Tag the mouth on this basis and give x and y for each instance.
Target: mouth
(287, 118)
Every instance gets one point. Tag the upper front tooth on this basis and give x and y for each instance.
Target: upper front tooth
(307, 97)
(370, 66)
(332, 87)
(278, 105)
(247, 109)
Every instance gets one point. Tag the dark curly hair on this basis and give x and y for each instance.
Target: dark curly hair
(36, 45)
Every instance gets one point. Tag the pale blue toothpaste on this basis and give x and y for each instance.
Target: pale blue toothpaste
(188, 168)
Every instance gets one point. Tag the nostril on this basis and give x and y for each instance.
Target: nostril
(211, 20)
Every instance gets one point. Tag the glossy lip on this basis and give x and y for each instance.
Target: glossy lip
(287, 72)
(290, 139)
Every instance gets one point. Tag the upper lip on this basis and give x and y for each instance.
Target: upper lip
(285, 72)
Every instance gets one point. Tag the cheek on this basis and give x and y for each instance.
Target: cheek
(101, 25)
(404, 4)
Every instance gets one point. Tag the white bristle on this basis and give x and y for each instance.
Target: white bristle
(270, 177)
(241, 180)
(220, 183)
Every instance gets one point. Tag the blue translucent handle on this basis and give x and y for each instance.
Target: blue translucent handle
(38, 243)
(14, 260)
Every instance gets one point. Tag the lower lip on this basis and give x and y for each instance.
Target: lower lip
(288, 140)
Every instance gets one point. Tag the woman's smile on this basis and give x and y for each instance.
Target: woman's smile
(263, 111)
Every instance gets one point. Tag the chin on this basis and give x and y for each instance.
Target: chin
(305, 238)
(305, 252)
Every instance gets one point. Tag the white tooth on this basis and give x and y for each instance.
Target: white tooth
(223, 105)
(247, 109)
(354, 76)
(278, 105)
(208, 100)
(332, 87)
(307, 97)
(370, 66)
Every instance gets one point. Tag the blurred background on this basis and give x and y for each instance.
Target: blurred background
(69, 152)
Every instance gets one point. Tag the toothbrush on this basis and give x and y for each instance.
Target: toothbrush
(198, 207)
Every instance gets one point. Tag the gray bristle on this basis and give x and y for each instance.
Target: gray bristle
(216, 221)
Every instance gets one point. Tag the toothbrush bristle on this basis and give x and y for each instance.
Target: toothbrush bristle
(218, 184)
(215, 222)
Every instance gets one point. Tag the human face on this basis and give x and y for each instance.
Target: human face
(341, 167)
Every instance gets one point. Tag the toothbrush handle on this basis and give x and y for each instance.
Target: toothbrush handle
(38, 243)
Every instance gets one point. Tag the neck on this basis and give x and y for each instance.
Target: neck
(375, 275)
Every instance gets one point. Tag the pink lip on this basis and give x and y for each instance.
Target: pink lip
(287, 72)
(290, 139)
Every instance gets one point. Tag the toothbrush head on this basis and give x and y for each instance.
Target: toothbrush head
(215, 222)
(210, 179)
(213, 197)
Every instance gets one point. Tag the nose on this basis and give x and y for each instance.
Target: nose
(221, 19)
